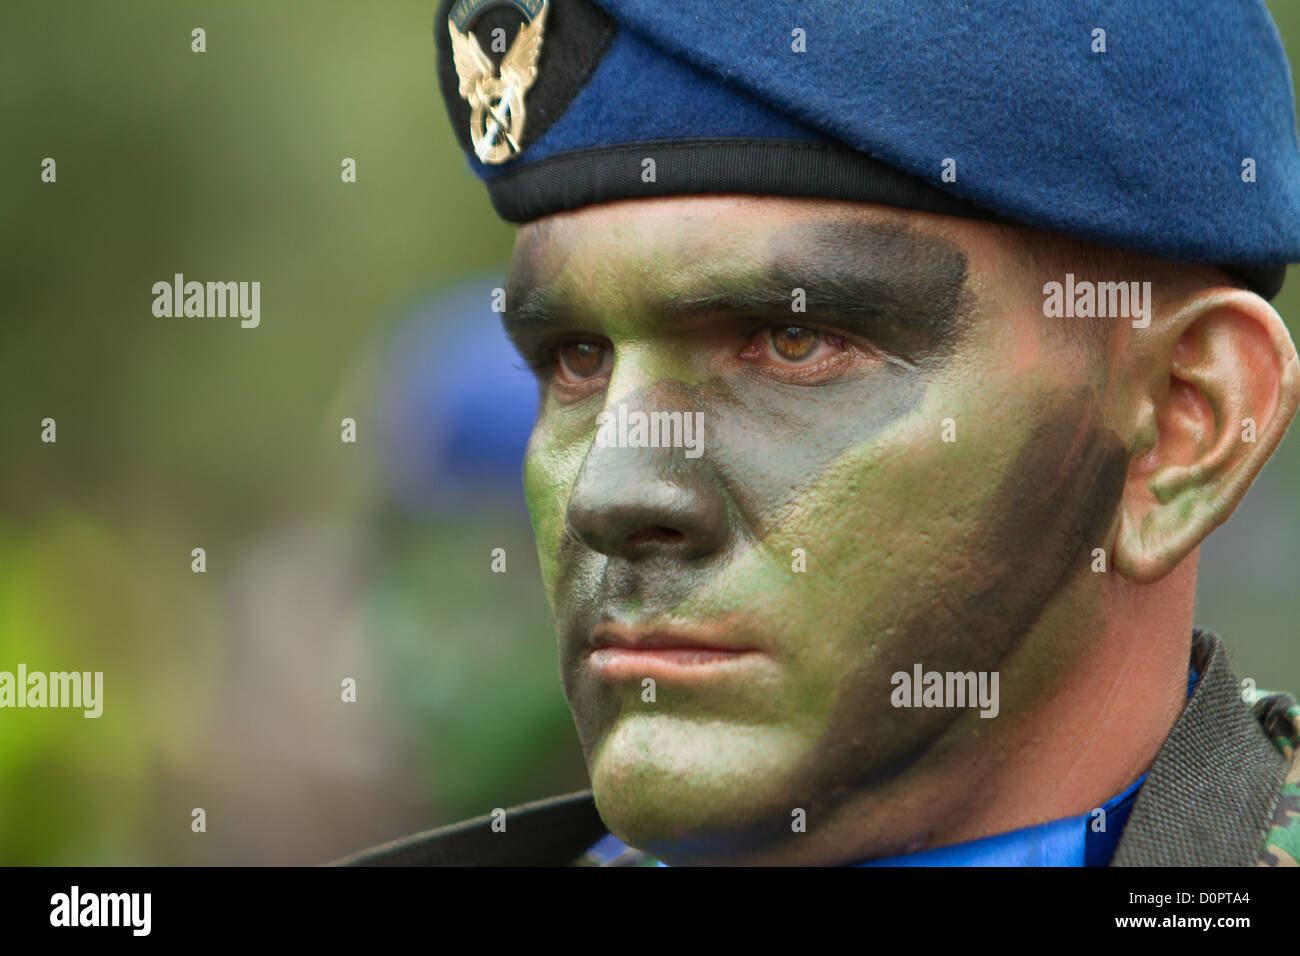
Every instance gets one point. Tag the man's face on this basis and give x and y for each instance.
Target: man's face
(913, 468)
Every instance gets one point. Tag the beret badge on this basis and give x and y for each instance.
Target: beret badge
(496, 96)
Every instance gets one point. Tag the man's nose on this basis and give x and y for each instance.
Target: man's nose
(636, 502)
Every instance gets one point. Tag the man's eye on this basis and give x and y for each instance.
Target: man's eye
(796, 345)
(793, 343)
(802, 356)
(581, 360)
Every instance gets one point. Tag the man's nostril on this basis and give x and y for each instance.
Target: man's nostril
(660, 533)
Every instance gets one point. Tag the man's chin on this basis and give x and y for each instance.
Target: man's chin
(690, 791)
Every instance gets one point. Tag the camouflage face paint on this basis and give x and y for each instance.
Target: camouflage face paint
(902, 290)
(918, 550)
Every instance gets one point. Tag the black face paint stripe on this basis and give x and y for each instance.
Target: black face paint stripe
(900, 288)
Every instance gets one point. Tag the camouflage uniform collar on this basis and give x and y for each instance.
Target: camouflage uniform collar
(1213, 793)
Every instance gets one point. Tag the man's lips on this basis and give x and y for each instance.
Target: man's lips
(625, 653)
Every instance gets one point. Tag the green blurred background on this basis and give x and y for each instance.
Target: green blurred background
(222, 689)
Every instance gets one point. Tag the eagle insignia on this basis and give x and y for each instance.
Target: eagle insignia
(496, 97)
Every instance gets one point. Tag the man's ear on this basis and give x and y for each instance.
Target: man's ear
(1224, 388)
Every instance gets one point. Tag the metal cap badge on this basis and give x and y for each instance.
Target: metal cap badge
(496, 100)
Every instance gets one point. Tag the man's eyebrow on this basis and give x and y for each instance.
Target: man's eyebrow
(889, 311)
(536, 308)
(778, 287)
(773, 289)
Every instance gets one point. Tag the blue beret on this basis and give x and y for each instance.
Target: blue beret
(1163, 128)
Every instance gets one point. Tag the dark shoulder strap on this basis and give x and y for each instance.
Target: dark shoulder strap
(553, 832)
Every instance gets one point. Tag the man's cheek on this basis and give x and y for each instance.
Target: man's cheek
(549, 474)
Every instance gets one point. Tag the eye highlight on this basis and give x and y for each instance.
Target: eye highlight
(581, 360)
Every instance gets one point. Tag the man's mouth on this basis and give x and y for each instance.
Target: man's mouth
(622, 653)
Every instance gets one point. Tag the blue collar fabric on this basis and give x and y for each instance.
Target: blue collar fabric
(1074, 841)
(1089, 839)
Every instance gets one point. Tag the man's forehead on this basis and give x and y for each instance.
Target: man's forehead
(679, 247)
(641, 270)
